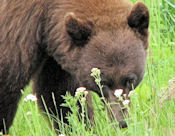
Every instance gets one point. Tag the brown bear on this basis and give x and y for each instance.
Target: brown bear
(58, 42)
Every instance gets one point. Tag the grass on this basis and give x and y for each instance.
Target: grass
(148, 115)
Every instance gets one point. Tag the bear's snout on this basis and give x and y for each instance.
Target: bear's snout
(122, 124)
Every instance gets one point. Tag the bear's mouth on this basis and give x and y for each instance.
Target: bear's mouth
(119, 101)
(123, 124)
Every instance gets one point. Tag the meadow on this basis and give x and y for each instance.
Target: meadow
(152, 111)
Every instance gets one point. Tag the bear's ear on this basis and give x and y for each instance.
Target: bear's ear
(79, 30)
(139, 18)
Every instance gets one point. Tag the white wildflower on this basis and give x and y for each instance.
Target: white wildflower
(80, 90)
(30, 97)
(29, 113)
(61, 135)
(118, 93)
(124, 95)
(85, 92)
(126, 102)
(94, 70)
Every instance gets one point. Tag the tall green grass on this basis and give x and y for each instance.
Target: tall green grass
(148, 115)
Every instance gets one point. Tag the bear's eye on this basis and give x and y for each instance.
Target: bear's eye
(130, 81)
(106, 82)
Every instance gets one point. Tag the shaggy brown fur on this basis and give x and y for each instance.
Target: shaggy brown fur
(61, 41)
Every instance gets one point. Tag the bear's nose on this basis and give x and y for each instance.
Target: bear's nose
(122, 124)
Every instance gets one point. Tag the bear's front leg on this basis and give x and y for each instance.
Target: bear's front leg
(51, 81)
(8, 106)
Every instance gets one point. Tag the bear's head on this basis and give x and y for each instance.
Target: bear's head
(113, 40)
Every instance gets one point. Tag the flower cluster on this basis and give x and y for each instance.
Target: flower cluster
(122, 97)
(118, 93)
(95, 72)
(80, 91)
(30, 97)
(81, 94)
(61, 135)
